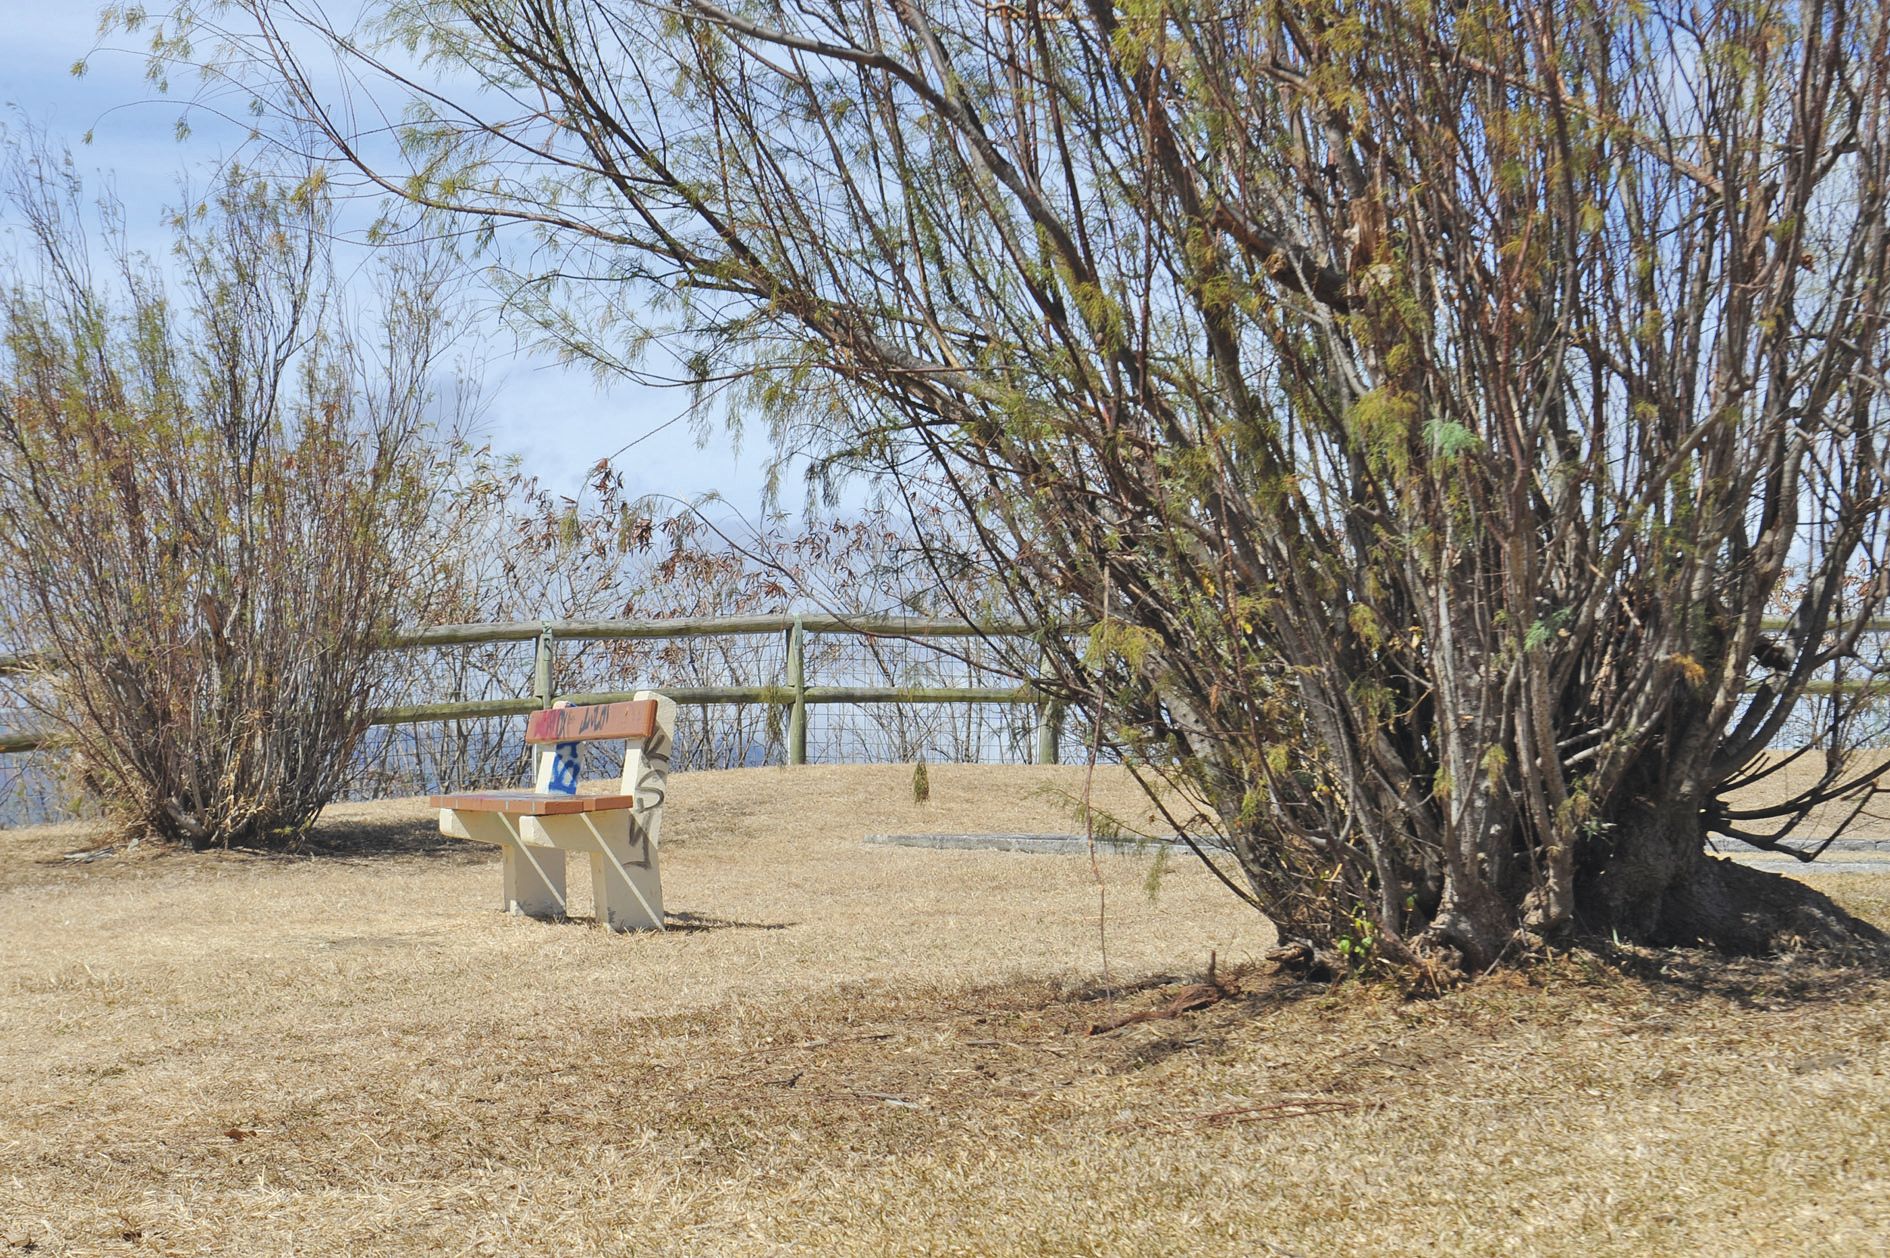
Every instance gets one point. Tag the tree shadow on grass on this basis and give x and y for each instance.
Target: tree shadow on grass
(349, 841)
(1788, 980)
(694, 923)
(1807, 977)
(354, 840)
(674, 923)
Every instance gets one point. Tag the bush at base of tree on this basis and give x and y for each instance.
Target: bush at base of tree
(209, 495)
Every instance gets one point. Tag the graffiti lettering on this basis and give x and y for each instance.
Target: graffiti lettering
(564, 770)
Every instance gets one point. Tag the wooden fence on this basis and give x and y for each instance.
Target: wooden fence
(793, 692)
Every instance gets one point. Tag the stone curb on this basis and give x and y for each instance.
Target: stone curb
(1733, 847)
(1868, 855)
(1066, 844)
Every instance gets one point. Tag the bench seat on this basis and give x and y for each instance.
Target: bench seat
(531, 803)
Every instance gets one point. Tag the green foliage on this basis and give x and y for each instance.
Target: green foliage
(1546, 629)
(1381, 422)
(1157, 872)
(1355, 943)
(1447, 438)
(1118, 641)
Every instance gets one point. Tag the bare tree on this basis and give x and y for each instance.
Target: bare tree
(1416, 404)
(216, 495)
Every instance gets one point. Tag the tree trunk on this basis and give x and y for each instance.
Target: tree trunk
(1473, 922)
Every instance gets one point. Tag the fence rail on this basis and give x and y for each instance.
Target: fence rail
(794, 693)
(715, 626)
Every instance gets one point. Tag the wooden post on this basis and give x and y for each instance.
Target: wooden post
(543, 756)
(1049, 732)
(797, 680)
(1049, 721)
(541, 668)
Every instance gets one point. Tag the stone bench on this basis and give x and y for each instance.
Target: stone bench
(619, 831)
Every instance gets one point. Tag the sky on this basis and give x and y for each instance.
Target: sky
(557, 420)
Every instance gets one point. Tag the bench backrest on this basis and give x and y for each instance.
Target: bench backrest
(632, 721)
(647, 726)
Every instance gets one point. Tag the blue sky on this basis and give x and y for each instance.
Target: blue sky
(558, 421)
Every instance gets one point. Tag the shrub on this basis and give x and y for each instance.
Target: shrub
(212, 489)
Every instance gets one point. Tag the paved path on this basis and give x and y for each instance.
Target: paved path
(1846, 856)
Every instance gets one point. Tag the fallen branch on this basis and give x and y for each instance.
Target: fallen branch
(1047, 1048)
(1267, 1112)
(822, 1043)
(1303, 961)
(1280, 1109)
(1195, 996)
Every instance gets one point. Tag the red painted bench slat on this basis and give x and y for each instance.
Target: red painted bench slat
(531, 803)
(633, 720)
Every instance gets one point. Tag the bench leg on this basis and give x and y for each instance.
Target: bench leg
(625, 884)
(534, 880)
(627, 889)
(534, 875)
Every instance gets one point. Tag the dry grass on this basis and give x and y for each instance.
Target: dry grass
(1791, 775)
(862, 1050)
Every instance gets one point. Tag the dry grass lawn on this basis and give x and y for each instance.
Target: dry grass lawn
(847, 1050)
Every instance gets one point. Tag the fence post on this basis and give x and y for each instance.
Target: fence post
(541, 667)
(797, 679)
(1049, 732)
(1049, 724)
